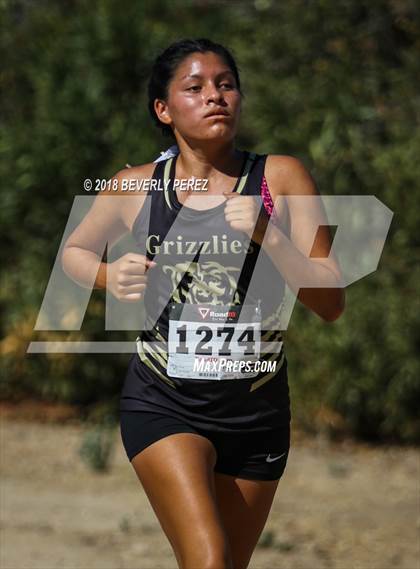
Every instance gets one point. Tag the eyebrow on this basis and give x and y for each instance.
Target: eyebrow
(198, 76)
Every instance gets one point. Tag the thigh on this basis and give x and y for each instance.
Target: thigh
(139, 429)
(248, 471)
(244, 506)
(177, 475)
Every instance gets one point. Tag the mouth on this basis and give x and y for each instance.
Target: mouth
(217, 114)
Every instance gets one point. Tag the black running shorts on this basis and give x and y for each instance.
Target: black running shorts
(256, 456)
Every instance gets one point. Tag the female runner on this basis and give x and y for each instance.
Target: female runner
(208, 445)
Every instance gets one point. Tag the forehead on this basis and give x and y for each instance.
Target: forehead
(208, 63)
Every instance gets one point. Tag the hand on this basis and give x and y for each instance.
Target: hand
(127, 278)
(242, 212)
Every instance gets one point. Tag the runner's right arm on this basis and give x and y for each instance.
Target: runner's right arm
(105, 223)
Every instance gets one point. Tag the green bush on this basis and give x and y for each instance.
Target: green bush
(334, 83)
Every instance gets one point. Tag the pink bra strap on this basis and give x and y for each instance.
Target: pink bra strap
(266, 197)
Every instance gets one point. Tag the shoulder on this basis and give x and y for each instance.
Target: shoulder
(287, 175)
(110, 209)
(140, 172)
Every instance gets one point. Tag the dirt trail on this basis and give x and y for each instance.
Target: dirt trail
(338, 506)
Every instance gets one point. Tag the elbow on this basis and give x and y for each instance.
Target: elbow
(335, 307)
(332, 316)
(63, 255)
(65, 260)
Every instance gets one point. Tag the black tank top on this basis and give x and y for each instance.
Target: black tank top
(200, 260)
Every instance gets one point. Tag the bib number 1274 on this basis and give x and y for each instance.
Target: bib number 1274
(212, 339)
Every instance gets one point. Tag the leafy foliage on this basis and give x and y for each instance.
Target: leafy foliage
(333, 82)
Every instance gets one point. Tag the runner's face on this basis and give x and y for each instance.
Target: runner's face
(203, 83)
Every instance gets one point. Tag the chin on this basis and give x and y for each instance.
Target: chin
(223, 134)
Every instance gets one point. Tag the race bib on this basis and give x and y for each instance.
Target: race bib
(213, 342)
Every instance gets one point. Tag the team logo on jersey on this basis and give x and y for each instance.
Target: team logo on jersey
(203, 283)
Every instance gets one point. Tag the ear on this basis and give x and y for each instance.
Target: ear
(162, 111)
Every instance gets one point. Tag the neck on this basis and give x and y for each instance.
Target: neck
(202, 162)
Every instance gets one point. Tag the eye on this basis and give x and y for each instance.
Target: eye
(194, 88)
(227, 85)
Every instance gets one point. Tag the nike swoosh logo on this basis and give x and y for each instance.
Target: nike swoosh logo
(269, 459)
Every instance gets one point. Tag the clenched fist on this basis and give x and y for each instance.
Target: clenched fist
(244, 213)
(127, 278)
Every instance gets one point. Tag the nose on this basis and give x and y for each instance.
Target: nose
(213, 94)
